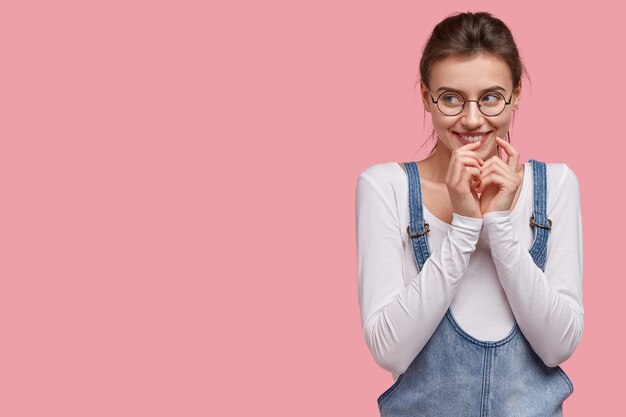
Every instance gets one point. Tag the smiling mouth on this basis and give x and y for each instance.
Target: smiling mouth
(473, 137)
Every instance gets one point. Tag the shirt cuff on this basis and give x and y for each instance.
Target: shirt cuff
(496, 217)
(467, 223)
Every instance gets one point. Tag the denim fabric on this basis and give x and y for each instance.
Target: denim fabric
(458, 375)
(540, 244)
(416, 216)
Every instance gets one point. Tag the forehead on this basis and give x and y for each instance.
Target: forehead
(471, 75)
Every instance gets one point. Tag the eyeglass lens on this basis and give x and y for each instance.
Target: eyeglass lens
(490, 103)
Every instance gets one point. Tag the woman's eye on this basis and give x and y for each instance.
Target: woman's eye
(491, 98)
(452, 99)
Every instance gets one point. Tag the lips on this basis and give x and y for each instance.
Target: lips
(466, 137)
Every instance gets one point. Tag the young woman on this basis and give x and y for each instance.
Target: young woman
(470, 266)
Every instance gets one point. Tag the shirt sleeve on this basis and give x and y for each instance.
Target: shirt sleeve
(547, 306)
(398, 319)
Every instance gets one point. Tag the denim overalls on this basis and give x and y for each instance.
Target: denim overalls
(458, 375)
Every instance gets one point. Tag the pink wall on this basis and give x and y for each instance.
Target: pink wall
(177, 180)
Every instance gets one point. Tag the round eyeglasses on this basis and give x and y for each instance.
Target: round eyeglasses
(490, 104)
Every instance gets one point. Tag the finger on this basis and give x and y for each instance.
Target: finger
(513, 158)
(468, 161)
(470, 174)
(460, 164)
(491, 179)
(470, 153)
(495, 164)
(462, 176)
(459, 160)
(501, 181)
(471, 145)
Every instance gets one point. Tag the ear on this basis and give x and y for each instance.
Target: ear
(425, 94)
(517, 96)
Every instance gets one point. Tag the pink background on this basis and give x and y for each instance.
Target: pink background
(178, 180)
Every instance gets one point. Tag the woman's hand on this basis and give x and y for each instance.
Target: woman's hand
(464, 173)
(499, 180)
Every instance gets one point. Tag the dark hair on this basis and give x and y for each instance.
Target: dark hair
(467, 35)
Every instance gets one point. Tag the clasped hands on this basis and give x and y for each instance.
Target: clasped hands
(496, 181)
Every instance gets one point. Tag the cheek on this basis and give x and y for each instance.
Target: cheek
(440, 123)
(503, 124)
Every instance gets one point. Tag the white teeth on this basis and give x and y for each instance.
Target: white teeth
(472, 138)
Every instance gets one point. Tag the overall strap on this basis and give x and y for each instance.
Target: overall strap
(539, 219)
(417, 228)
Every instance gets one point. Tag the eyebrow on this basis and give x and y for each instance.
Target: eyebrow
(495, 87)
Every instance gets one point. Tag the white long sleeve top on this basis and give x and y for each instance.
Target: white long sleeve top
(480, 268)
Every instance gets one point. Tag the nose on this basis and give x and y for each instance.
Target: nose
(471, 116)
